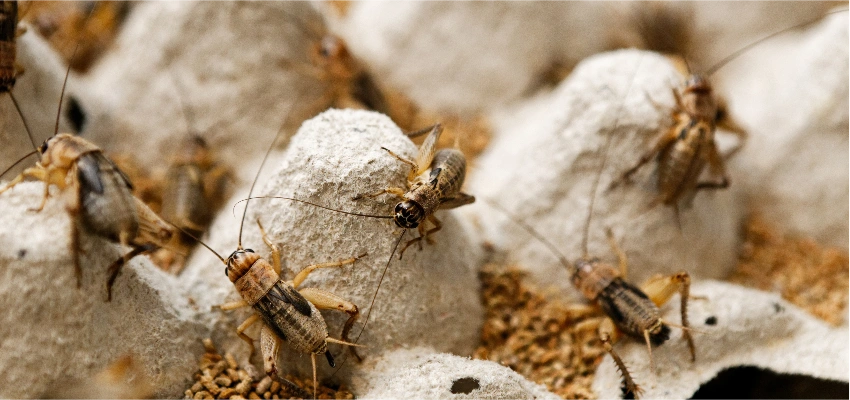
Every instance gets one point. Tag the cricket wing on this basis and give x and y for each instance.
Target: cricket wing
(428, 148)
(461, 199)
(288, 294)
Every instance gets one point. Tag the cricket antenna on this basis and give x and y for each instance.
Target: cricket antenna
(254, 183)
(65, 82)
(19, 161)
(315, 205)
(531, 231)
(199, 241)
(374, 296)
(188, 115)
(24, 120)
(62, 94)
(595, 185)
(732, 56)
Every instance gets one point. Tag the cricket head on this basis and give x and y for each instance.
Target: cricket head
(239, 262)
(408, 214)
(697, 84)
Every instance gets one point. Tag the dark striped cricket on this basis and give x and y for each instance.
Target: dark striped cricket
(285, 311)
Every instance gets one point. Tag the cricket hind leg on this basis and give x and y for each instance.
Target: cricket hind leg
(115, 268)
(661, 289)
(269, 346)
(328, 301)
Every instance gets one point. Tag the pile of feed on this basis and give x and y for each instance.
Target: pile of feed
(542, 338)
(223, 378)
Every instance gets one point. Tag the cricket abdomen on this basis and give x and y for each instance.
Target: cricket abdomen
(680, 164)
(183, 201)
(293, 318)
(8, 49)
(107, 206)
(451, 164)
(632, 311)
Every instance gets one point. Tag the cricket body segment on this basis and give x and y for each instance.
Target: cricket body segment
(433, 183)
(8, 48)
(682, 161)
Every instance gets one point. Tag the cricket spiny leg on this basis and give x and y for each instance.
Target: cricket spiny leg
(269, 346)
(605, 332)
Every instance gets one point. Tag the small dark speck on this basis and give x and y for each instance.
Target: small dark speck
(712, 320)
(778, 308)
(464, 385)
(22, 253)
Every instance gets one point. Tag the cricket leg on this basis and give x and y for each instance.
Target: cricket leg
(299, 279)
(269, 346)
(115, 268)
(240, 330)
(621, 256)
(607, 333)
(233, 305)
(726, 123)
(661, 289)
(663, 140)
(328, 301)
(414, 169)
(437, 227)
(274, 247)
(75, 252)
(391, 190)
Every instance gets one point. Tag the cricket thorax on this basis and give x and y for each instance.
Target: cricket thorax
(251, 274)
(63, 150)
(698, 99)
(592, 277)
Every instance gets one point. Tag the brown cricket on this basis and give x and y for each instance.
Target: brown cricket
(97, 195)
(194, 187)
(683, 150)
(288, 313)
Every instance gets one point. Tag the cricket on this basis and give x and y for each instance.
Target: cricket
(285, 311)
